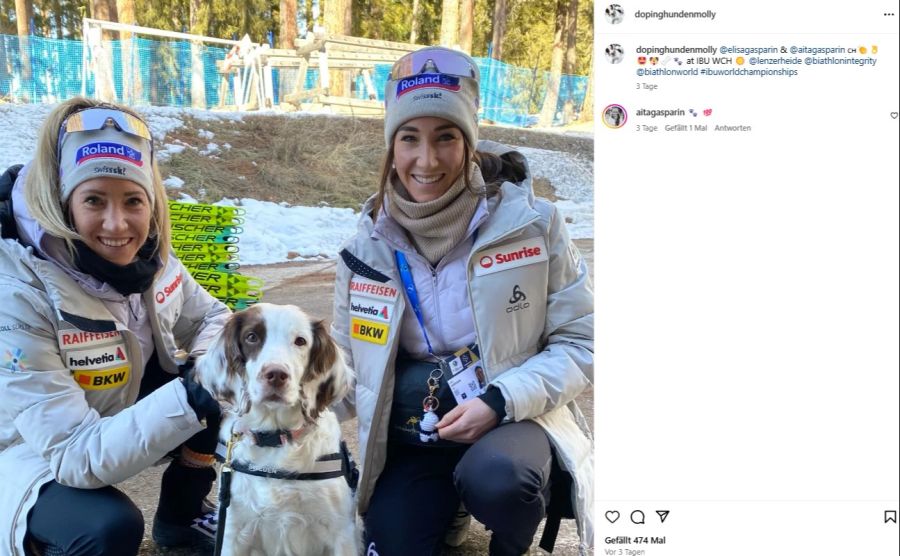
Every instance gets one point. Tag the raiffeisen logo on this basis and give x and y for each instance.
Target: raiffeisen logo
(427, 80)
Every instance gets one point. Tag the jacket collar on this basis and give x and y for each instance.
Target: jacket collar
(51, 248)
(511, 209)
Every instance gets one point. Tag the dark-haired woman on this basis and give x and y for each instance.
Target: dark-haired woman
(467, 313)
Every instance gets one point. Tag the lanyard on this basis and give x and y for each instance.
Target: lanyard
(406, 277)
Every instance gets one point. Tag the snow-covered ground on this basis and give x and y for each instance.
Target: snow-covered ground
(272, 231)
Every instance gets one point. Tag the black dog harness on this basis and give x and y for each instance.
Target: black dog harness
(329, 466)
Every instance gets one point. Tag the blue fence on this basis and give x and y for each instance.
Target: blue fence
(159, 73)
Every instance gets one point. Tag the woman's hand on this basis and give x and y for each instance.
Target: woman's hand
(467, 422)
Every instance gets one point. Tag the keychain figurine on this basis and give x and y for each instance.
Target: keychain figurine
(427, 432)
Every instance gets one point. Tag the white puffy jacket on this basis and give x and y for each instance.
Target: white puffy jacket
(538, 350)
(70, 373)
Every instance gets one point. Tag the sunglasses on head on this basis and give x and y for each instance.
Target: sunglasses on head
(447, 62)
(95, 119)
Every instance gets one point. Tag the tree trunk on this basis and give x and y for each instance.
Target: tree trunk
(338, 20)
(105, 10)
(288, 16)
(198, 22)
(499, 29)
(551, 98)
(57, 18)
(23, 22)
(466, 21)
(414, 26)
(587, 109)
(570, 60)
(132, 87)
(450, 23)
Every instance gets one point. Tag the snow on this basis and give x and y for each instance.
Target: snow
(173, 182)
(272, 231)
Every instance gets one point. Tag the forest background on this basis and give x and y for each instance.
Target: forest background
(525, 33)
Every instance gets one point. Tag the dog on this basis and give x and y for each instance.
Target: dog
(275, 372)
(615, 53)
(615, 13)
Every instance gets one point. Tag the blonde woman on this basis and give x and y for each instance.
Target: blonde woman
(93, 309)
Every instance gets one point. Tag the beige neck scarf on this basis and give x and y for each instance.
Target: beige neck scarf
(435, 227)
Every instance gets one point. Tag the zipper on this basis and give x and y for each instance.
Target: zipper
(12, 539)
(475, 249)
(376, 415)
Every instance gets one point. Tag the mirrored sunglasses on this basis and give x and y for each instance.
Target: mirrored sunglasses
(434, 61)
(94, 119)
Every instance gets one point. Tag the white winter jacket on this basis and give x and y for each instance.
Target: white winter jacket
(70, 373)
(537, 349)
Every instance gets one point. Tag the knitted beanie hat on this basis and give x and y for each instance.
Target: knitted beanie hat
(437, 82)
(106, 152)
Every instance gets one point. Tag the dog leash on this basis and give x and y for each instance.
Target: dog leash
(225, 491)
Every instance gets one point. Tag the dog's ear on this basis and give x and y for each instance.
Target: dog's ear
(326, 360)
(323, 353)
(221, 368)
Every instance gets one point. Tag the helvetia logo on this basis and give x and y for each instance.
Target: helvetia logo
(372, 310)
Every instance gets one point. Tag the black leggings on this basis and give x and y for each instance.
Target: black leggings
(104, 521)
(503, 480)
(86, 522)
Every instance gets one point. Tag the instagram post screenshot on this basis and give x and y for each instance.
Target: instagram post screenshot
(299, 277)
(746, 394)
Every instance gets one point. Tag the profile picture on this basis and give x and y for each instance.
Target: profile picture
(615, 53)
(615, 13)
(614, 116)
(479, 374)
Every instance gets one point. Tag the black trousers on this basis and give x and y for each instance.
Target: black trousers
(503, 480)
(85, 522)
(103, 521)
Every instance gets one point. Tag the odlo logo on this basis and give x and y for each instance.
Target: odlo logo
(517, 301)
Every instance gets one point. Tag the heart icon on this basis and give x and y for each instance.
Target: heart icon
(894, 115)
(612, 516)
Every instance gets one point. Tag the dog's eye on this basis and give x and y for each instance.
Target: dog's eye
(300, 341)
(251, 338)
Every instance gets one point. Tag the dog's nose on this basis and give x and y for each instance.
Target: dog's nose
(275, 376)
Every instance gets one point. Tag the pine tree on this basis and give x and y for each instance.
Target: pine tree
(450, 23)
(551, 98)
(466, 20)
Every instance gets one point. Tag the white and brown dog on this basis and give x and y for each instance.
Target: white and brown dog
(276, 372)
